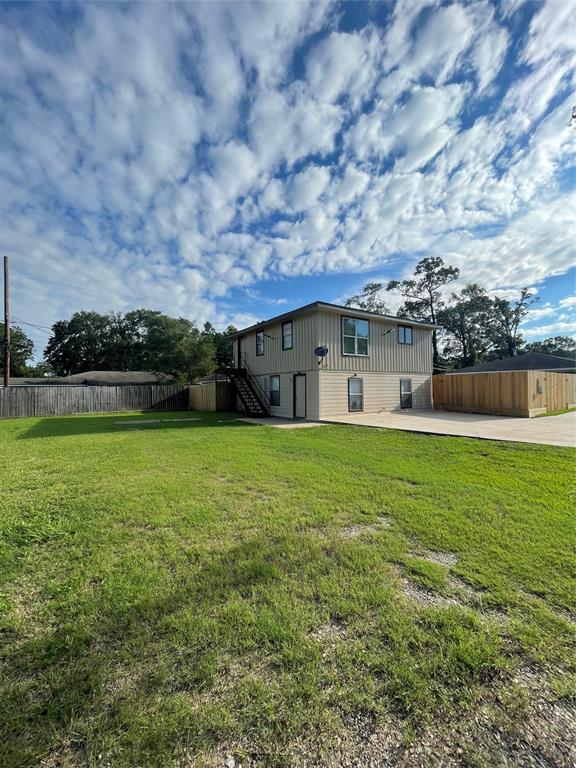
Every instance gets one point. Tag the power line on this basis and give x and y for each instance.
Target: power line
(33, 325)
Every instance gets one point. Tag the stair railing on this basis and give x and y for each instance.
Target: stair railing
(261, 393)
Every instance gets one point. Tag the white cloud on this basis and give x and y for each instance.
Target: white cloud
(343, 64)
(446, 35)
(553, 329)
(305, 188)
(489, 55)
(352, 183)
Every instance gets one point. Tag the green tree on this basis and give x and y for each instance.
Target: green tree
(223, 345)
(370, 299)
(422, 293)
(21, 350)
(508, 316)
(563, 346)
(140, 340)
(469, 324)
(169, 345)
(86, 342)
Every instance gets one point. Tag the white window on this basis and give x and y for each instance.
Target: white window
(405, 393)
(355, 394)
(404, 334)
(260, 343)
(274, 390)
(287, 335)
(355, 335)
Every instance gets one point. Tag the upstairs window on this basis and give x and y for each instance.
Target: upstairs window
(274, 390)
(355, 394)
(355, 335)
(260, 343)
(404, 334)
(287, 335)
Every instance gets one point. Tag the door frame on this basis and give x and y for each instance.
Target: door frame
(295, 376)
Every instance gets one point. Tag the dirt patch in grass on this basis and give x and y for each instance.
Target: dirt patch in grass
(67, 756)
(360, 529)
(330, 632)
(463, 595)
(522, 727)
(447, 559)
(425, 597)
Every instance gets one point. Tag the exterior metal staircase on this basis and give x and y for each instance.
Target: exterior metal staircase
(248, 389)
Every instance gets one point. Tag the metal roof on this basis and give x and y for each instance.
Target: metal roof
(338, 307)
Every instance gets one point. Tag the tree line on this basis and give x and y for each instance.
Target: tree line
(141, 340)
(475, 327)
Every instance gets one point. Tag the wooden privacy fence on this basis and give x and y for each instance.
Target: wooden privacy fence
(53, 400)
(507, 393)
(212, 396)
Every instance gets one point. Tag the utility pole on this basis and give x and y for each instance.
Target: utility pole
(6, 326)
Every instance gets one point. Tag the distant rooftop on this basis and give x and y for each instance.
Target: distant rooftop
(95, 378)
(529, 361)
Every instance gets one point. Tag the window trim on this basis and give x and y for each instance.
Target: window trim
(405, 328)
(291, 324)
(259, 333)
(355, 337)
(361, 380)
(411, 393)
(270, 378)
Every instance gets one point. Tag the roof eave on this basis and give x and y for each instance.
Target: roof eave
(334, 307)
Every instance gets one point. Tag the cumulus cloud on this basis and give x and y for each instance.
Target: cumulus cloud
(167, 154)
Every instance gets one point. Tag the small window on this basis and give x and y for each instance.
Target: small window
(287, 335)
(260, 343)
(355, 394)
(404, 334)
(405, 393)
(274, 390)
(355, 335)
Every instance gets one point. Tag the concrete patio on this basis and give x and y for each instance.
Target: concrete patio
(548, 430)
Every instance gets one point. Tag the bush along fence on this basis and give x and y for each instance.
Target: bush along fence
(52, 400)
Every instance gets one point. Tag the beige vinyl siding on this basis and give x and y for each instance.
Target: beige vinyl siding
(284, 410)
(286, 407)
(381, 392)
(384, 352)
(275, 359)
(313, 394)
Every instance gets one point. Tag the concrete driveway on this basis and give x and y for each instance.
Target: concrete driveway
(548, 430)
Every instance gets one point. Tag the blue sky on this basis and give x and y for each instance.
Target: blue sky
(226, 162)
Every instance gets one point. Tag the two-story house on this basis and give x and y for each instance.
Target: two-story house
(323, 360)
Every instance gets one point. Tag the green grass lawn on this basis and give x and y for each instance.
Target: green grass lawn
(187, 593)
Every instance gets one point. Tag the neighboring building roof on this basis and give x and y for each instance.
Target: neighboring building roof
(529, 361)
(96, 378)
(354, 311)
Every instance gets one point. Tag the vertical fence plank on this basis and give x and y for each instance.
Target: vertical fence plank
(54, 400)
(510, 393)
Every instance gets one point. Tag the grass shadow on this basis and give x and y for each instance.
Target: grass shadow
(65, 426)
